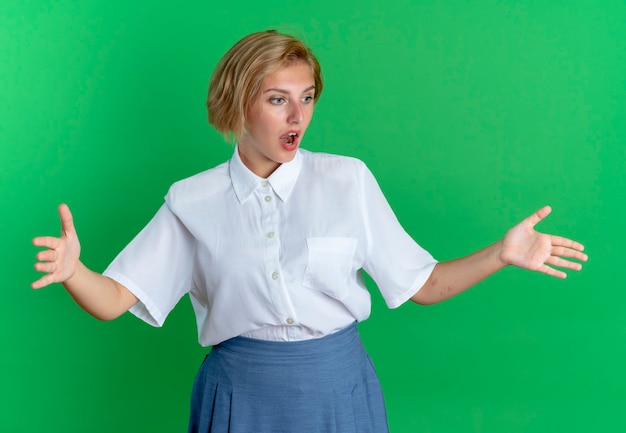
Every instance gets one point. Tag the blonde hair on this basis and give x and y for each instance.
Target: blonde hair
(237, 79)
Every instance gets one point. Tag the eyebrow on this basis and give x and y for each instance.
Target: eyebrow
(312, 87)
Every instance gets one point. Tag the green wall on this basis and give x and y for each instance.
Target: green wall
(472, 114)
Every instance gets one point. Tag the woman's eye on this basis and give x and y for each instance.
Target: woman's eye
(277, 101)
(307, 99)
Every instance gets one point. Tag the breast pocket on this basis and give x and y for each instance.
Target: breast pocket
(329, 265)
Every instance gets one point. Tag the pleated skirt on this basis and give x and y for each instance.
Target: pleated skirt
(325, 385)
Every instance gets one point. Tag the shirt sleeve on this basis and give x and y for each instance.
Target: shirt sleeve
(397, 264)
(156, 266)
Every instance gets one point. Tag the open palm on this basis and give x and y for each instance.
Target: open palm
(527, 248)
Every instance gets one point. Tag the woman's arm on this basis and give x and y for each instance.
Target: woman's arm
(522, 247)
(100, 296)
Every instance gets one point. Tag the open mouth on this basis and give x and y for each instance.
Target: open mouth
(289, 139)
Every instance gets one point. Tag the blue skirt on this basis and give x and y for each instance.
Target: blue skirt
(255, 386)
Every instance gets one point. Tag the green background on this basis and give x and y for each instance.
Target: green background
(472, 114)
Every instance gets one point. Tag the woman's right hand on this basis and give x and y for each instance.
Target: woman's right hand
(59, 261)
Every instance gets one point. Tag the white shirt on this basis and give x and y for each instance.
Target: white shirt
(277, 258)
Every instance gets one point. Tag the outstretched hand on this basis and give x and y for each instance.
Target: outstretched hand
(60, 260)
(526, 248)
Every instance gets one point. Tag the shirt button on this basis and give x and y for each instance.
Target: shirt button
(270, 235)
(265, 183)
(275, 275)
(289, 321)
(268, 198)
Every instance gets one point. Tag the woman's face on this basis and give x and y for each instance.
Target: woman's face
(277, 120)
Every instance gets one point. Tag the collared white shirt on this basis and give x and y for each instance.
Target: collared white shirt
(277, 258)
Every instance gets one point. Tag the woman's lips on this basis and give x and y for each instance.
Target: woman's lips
(289, 140)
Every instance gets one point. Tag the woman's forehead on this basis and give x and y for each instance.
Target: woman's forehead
(290, 77)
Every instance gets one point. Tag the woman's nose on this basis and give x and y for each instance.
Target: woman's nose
(296, 114)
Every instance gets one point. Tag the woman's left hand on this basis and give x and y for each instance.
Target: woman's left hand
(526, 248)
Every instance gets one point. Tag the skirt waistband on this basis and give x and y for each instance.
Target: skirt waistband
(323, 346)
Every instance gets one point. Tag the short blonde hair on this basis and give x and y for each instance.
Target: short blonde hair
(237, 79)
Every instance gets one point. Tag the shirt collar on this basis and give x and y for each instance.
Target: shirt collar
(282, 180)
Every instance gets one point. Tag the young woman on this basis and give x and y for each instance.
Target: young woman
(269, 246)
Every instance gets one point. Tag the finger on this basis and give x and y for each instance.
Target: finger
(569, 253)
(47, 256)
(562, 263)
(44, 281)
(565, 242)
(47, 242)
(46, 267)
(539, 215)
(545, 269)
(67, 222)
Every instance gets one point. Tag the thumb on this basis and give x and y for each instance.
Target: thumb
(536, 218)
(67, 222)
